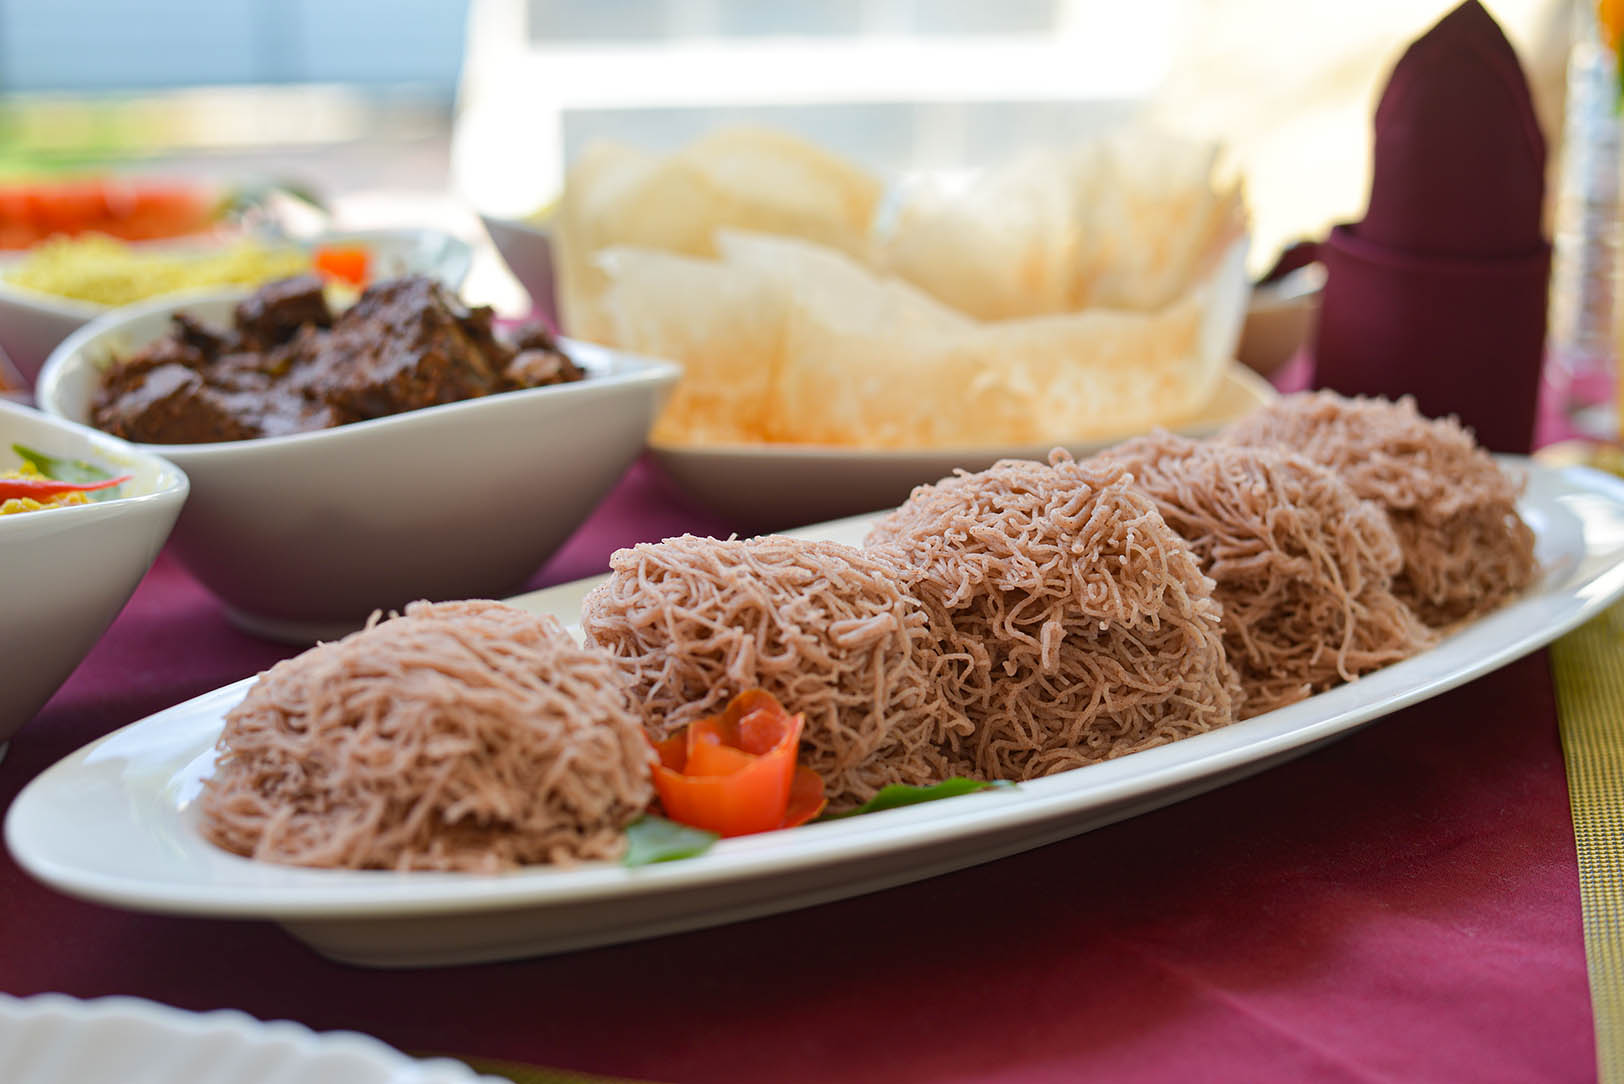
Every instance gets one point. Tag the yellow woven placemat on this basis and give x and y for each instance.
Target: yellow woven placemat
(1588, 666)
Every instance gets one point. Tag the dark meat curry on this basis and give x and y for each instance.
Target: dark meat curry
(288, 365)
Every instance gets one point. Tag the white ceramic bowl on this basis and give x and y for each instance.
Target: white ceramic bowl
(1280, 319)
(770, 486)
(66, 572)
(303, 536)
(53, 1039)
(33, 323)
(527, 249)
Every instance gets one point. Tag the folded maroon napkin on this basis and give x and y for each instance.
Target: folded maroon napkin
(1440, 290)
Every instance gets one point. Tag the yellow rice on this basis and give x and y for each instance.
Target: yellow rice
(108, 272)
(29, 504)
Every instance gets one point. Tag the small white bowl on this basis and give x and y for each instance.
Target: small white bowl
(66, 572)
(527, 249)
(304, 536)
(33, 323)
(1280, 319)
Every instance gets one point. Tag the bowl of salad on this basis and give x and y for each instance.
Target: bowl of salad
(82, 516)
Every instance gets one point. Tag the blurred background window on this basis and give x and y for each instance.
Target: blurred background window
(98, 45)
(939, 84)
(339, 95)
(421, 111)
(897, 84)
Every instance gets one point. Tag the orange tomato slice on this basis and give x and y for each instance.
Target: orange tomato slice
(346, 263)
(735, 773)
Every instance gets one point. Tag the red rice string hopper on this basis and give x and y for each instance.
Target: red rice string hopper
(997, 626)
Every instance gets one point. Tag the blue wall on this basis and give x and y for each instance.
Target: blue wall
(101, 45)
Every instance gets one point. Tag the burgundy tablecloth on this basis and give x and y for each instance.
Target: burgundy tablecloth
(1400, 906)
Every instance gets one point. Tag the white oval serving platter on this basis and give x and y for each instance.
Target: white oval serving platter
(114, 821)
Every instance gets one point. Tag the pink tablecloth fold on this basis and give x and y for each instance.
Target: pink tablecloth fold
(1400, 906)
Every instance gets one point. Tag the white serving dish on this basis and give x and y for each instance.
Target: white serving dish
(527, 249)
(775, 485)
(303, 536)
(33, 323)
(114, 822)
(66, 572)
(1280, 319)
(54, 1039)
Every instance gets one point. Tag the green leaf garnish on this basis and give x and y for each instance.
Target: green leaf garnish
(68, 470)
(655, 839)
(898, 795)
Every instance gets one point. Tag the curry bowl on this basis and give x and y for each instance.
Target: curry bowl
(304, 536)
(33, 323)
(66, 572)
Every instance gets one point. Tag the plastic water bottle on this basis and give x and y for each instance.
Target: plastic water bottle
(1583, 336)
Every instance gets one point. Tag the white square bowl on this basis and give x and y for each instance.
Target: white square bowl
(304, 536)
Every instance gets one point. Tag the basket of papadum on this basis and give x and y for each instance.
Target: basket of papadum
(1070, 294)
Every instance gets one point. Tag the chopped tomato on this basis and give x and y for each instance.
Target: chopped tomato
(131, 210)
(68, 207)
(347, 263)
(735, 773)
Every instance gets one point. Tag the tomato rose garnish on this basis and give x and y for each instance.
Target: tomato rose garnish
(735, 773)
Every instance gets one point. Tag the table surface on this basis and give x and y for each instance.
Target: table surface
(1402, 905)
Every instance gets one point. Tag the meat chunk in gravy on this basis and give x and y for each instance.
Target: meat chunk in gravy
(274, 313)
(288, 365)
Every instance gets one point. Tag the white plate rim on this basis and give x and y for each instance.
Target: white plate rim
(1485, 645)
(130, 1019)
